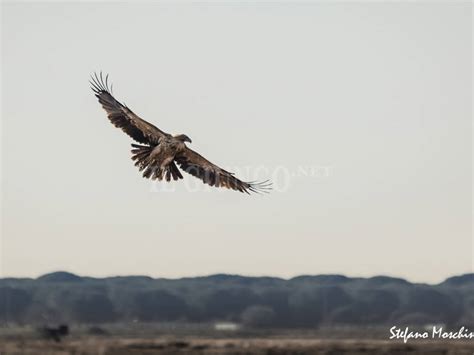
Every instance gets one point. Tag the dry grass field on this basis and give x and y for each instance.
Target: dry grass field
(249, 346)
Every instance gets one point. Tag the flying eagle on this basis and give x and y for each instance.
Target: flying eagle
(160, 153)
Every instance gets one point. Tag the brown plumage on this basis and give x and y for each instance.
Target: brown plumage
(159, 153)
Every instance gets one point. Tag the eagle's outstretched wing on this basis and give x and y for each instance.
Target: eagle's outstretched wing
(198, 166)
(122, 117)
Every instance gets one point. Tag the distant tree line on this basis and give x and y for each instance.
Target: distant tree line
(303, 302)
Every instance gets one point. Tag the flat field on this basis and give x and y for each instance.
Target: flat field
(105, 345)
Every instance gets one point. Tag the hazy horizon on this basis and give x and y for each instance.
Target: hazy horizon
(359, 113)
(226, 274)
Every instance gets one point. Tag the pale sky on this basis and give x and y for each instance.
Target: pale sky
(359, 113)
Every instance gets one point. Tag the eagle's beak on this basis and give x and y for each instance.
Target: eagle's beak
(189, 140)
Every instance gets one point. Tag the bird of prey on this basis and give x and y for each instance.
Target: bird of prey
(160, 153)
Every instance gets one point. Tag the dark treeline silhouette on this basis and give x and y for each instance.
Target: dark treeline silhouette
(54, 333)
(303, 302)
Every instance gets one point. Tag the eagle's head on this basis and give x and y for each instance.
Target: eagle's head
(183, 138)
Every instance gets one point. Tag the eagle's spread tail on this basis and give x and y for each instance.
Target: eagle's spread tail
(152, 168)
